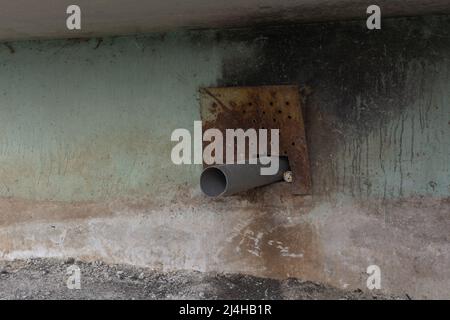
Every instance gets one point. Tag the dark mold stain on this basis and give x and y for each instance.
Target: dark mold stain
(10, 47)
(357, 81)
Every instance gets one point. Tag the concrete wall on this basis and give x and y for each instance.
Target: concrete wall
(85, 166)
(26, 19)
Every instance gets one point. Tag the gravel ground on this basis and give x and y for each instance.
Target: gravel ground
(47, 279)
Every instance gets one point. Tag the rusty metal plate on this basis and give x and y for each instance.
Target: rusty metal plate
(265, 107)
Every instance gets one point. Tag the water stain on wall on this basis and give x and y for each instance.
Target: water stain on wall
(376, 122)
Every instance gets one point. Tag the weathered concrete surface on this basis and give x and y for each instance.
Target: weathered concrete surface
(28, 19)
(85, 153)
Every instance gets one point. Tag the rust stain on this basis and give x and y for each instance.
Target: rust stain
(265, 107)
(292, 251)
(15, 210)
(277, 249)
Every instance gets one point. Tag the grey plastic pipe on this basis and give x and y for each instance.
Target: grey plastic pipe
(228, 179)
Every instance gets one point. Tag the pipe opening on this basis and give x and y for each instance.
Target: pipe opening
(213, 182)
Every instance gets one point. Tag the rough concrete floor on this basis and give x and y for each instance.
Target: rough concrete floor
(46, 279)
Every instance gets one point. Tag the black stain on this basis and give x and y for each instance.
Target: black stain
(357, 81)
(359, 75)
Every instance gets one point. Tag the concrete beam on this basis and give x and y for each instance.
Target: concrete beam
(27, 19)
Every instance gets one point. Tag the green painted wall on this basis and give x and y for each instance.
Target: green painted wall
(85, 166)
(81, 122)
(86, 120)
